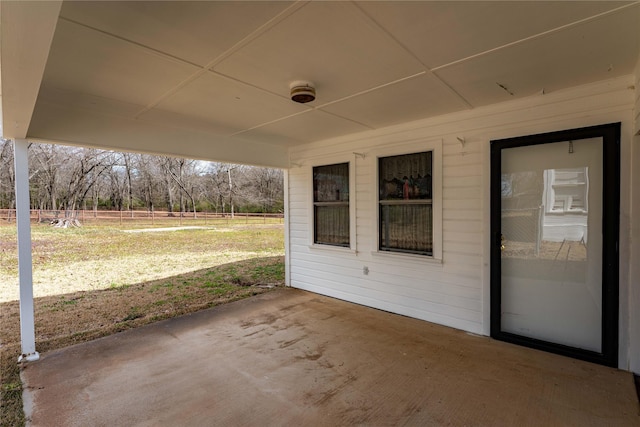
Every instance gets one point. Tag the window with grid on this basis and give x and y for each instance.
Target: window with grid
(405, 203)
(331, 205)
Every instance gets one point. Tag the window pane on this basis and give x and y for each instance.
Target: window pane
(406, 228)
(331, 204)
(332, 225)
(331, 183)
(406, 214)
(406, 177)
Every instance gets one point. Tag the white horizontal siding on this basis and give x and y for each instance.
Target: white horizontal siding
(464, 247)
(457, 170)
(438, 291)
(458, 237)
(453, 292)
(469, 181)
(439, 304)
(469, 226)
(474, 204)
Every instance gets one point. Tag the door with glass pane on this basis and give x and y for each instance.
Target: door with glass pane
(554, 255)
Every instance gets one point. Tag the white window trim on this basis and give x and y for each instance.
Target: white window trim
(435, 146)
(550, 197)
(332, 160)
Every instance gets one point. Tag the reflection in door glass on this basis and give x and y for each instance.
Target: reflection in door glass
(551, 231)
(547, 211)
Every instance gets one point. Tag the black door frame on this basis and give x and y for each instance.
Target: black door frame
(610, 134)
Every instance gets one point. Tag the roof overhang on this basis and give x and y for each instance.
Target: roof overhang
(26, 32)
(210, 80)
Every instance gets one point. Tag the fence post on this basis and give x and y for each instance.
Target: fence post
(120, 217)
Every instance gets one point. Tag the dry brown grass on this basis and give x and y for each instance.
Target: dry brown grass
(92, 258)
(224, 266)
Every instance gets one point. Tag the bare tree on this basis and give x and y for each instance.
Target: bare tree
(7, 176)
(214, 186)
(230, 182)
(85, 166)
(70, 178)
(166, 164)
(147, 179)
(126, 157)
(47, 162)
(117, 187)
(266, 188)
(185, 174)
(223, 181)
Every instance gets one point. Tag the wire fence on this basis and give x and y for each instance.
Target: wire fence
(145, 218)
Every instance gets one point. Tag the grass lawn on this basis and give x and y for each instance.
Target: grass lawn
(95, 281)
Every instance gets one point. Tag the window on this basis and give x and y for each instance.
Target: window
(567, 190)
(406, 203)
(331, 205)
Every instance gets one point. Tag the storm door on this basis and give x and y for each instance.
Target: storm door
(554, 255)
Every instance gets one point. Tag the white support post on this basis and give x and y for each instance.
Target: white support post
(287, 235)
(25, 268)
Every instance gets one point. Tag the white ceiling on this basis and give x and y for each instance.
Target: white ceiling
(211, 79)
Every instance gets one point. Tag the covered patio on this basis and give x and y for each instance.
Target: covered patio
(291, 357)
(380, 81)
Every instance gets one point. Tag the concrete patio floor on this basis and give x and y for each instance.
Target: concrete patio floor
(292, 358)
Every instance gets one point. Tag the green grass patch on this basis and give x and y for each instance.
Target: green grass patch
(269, 273)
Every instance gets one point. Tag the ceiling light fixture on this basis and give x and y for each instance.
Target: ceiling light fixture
(302, 91)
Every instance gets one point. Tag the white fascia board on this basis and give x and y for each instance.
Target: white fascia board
(83, 127)
(26, 32)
